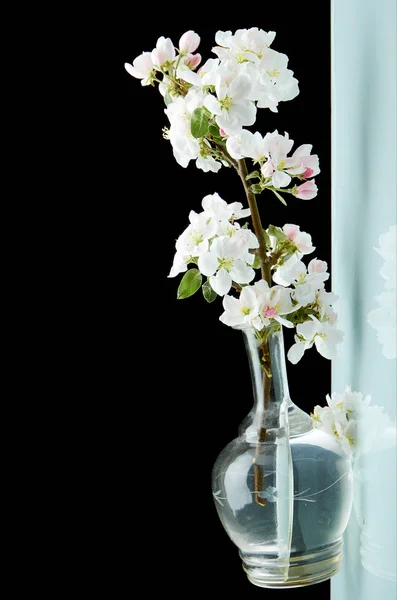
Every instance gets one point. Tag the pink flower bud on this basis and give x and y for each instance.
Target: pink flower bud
(192, 60)
(189, 42)
(308, 173)
(306, 191)
(163, 52)
(270, 313)
(222, 132)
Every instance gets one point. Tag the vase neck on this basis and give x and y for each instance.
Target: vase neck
(273, 409)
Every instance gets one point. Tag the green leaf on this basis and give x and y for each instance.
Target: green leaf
(199, 123)
(190, 283)
(267, 239)
(167, 99)
(257, 263)
(253, 175)
(214, 130)
(256, 189)
(280, 197)
(276, 232)
(208, 292)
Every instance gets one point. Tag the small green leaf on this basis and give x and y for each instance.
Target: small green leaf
(256, 189)
(267, 239)
(214, 130)
(276, 232)
(167, 99)
(257, 263)
(199, 123)
(208, 292)
(253, 175)
(190, 283)
(280, 197)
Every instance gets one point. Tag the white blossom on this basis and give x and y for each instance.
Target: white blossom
(227, 260)
(231, 107)
(352, 421)
(301, 239)
(314, 332)
(274, 302)
(305, 280)
(243, 45)
(276, 82)
(141, 68)
(276, 149)
(242, 312)
(185, 146)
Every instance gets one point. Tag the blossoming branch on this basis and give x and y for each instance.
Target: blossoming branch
(209, 108)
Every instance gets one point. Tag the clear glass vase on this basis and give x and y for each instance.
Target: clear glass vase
(282, 489)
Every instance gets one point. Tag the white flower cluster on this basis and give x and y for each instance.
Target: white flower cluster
(383, 318)
(217, 244)
(247, 75)
(276, 167)
(224, 252)
(299, 293)
(351, 420)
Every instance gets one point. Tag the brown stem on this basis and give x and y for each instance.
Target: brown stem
(256, 220)
(241, 169)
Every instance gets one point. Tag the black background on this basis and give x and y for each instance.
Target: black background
(181, 378)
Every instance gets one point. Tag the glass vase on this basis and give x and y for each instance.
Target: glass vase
(282, 489)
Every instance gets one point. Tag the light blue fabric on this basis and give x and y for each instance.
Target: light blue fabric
(364, 182)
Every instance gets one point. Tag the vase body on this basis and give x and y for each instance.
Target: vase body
(282, 489)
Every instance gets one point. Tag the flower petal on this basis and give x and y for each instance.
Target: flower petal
(212, 104)
(207, 263)
(221, 282)
(296, 352)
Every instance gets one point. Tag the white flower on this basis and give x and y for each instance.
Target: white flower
(306, 281)
(244, 45)
(208, 72)
(348, 401)
(179, 264)
(276, 149)
(232, 107)
(193, 241)
(208, 163)
(217, 208)
(301, 239)
(303, 163)
(273, 302)
(185, 146)
(351, 420)
(164, 52)
(276, 82)
(141, 68)
(242, 312)
(226, 262)
(321, 333)
(324, 302)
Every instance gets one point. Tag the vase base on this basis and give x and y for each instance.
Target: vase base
(302, 570)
